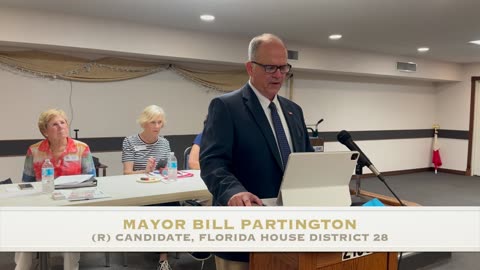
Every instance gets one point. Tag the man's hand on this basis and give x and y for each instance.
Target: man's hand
(244, 199)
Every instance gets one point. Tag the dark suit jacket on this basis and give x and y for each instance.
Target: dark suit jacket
(239, 152)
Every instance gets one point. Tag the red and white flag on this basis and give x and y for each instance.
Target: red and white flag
(436, 159)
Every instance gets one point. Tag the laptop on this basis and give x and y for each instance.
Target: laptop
(316, 179)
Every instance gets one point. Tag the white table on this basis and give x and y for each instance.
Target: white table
(124, 190)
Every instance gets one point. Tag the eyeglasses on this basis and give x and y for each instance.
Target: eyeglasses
(273, 68)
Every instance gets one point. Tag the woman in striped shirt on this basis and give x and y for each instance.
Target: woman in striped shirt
(143, 152)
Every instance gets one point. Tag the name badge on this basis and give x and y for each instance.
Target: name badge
(140, 147)
(69, 158)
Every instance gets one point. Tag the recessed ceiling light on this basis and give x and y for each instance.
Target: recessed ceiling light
(335, 37)
(207, 18)
(423, 49)
(477, 42)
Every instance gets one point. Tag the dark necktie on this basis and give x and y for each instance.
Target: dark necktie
(280, 133)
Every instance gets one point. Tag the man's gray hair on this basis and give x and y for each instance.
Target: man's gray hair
(257, 41)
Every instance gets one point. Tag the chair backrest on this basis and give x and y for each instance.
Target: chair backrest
(186, 155)
(6, 181)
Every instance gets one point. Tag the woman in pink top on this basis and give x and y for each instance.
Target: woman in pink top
(68, 156)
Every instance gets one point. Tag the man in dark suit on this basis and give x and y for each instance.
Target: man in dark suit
(249, 134)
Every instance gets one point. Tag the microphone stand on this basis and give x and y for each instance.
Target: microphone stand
(313, 132)
(379, 176)
(358, 174)
(357, 200)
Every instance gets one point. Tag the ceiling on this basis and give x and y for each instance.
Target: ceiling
(396, 27)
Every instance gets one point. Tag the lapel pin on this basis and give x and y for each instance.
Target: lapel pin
(290, 113)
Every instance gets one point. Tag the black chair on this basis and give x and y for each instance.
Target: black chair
(186, 155)
(96, 161)
(98, 166)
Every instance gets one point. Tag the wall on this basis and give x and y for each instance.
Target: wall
(110, 110)
(361, 103)
(453, 112)
(99, 109)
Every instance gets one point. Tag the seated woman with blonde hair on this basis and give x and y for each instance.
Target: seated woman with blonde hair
(141, 153)
(146, 151)
(68, 157)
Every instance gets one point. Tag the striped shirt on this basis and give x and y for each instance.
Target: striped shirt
(137, 151)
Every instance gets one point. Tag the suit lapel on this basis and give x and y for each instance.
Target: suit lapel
(253, 105)
(290, 117)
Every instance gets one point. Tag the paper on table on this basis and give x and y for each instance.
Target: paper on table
(83, 194)
(180, 174)
(15, 188)
(72, 179)
(16, 192)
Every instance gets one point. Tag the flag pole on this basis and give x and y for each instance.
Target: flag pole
(436, 160)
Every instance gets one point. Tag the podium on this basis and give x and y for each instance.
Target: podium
(329, 260)
(322, 261)
(317, 143)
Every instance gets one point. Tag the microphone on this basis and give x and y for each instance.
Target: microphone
(315, 132)
(319, 121)
(346, 139)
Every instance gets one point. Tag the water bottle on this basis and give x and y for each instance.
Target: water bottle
(48, 177)
(172, 167)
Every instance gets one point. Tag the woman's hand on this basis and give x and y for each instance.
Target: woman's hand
(150, 165)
